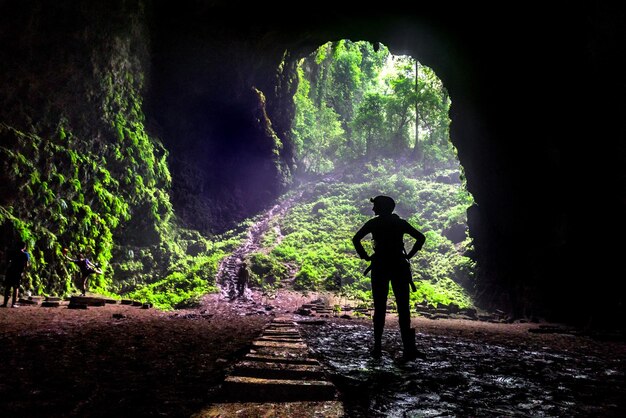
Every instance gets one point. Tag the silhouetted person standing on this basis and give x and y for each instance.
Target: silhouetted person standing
(390, 264)
(242, 279)
(18, 261)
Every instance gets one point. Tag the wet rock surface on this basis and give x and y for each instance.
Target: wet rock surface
(470, 375)
(121, 360)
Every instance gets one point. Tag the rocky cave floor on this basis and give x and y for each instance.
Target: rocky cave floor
(120, 360)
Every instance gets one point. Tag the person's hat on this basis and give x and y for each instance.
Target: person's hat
(384, 203)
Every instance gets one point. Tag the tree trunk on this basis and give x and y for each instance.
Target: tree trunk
(416, 148)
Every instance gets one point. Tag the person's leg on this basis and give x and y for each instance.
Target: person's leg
(380, 290)
(11, 282)
(86, 285)
(402, 294)
(83, 284)
(16, 289)
(7, 294)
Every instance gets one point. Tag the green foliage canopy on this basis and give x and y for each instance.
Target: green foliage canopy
(354, 101)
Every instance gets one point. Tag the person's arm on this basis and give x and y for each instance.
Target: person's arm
(420, 239)
(356, 241)
(93, 266)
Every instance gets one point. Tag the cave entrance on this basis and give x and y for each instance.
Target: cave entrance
(369, 122)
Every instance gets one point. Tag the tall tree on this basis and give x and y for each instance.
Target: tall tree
(416, 146)
(355, 100)
(435, 121)
(369, 125)
(317, 131)
(400, 111)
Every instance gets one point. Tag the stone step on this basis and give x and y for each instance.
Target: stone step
(282, 353)
(326, 409)
(282, 326)
(278, 333)
(244, 388)
(23, 301)
(263, 341)
(277, 359)
(281, 339)
(87, 300)
(285, 331)
(279, 324)
(324, 311)
(271, 370)
(287, 337)
(279, 345)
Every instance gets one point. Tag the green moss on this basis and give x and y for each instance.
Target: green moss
(88, 177)
(266, 270)
(318, 231)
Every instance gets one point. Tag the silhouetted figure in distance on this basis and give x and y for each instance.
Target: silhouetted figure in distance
(242, 279)
(19, 260)
(87, 268)
(389, 263)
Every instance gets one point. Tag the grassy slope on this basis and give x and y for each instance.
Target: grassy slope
(310, 247)
(315, 236)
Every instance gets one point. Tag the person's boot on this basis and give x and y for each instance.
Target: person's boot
(408, 341)
(377, 351)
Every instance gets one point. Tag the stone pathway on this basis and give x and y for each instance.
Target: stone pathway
(277, 378)
(226, 275)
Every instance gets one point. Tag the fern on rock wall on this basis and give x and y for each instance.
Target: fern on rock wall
(77, 167)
